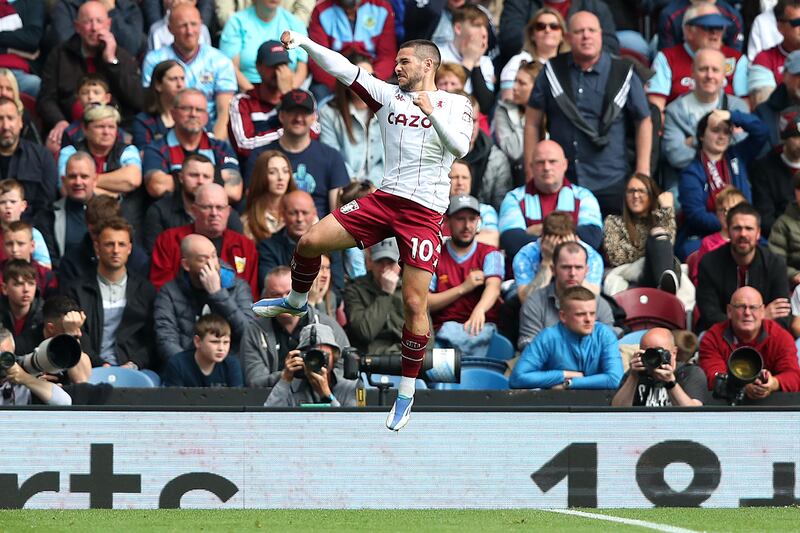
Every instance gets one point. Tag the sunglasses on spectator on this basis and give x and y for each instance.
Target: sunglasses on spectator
(793, 22)
(541, 26)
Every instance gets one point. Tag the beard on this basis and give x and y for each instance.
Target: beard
(412, 80)
(462, 244)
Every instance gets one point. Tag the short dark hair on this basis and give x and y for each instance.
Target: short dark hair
(10, 184)
(577, 293)
(471, 13)
(55, 307)
(559, 223)
(16, 269)
(571, 247)
(743, 208)
(116, 224)
(101, 207)
(20, 225)
(424, 49)
(780, 8)
(94, 78)
(212, 323)
(200, 158)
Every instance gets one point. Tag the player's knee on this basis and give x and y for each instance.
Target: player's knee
(307, 245)
(414, 305)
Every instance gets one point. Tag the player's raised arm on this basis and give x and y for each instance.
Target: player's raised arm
(331, 62)
(454, 127)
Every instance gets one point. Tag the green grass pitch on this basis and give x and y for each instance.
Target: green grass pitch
(417, 521)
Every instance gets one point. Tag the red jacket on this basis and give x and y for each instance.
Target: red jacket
(774, 344)
(237, 250)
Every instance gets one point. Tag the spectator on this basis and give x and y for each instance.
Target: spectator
(674, 384)
(461, 184)
(63, 224)
(124, 23)
(152, 124)
(318, 169)
(163, 159)
(267, 341)
(785, 237)
(533, 264)
(299, 213)
(18, 244)
(349, 126)
(748, 324)
(81, 259)
(772, 176)
(175, 209)
(93, 90)
(118, 166)
(766, 71)
(93, 49)
(118, 303)
(17, 387)
(207, 69)
(9, 89)
(374, 302)
(203, 283)
(451, 77)
(468, 48)
(155, 10)
(271, 180)
(728, 198)
(738, 263)
(21, 306)
(787, 94)
(594, 139)
(25, 161)
(321, 297)
(638, 244)
(12, 205)
(244, 32)
(62, 316)
(524, 209)
(22, 31)
(209, 364)
(679, 143)
(160, 35)
(491, 171)
(543, 39)
(254, 115)
(517, 13)
(672, 24)
(576, 353)
(509, 118)
(541, 308)
(210, 211)
(434, 21)
(716, 165)
(299, 384)
(364, 26)
(465, 288)
(764, 33)
(704, 25)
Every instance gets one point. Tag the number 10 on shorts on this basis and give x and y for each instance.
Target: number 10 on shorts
(424, 248)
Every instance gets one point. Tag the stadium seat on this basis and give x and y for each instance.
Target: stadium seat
(155, 378)
(500, 348)
(477, 378)
(120, 377)
(646, 308)
(482, 362)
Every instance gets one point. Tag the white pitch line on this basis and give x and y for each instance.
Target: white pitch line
(629, 521)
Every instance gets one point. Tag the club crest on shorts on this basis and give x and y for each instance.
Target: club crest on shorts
(349, 207)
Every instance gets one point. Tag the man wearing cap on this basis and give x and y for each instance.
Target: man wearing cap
(207, 69)
(466, 285)
(374, 302)
(703, 27)
(254, 114)
(318, 169)
(786, 94)
(300, 385)
(772, 177)
(672, 27)
(766, 70)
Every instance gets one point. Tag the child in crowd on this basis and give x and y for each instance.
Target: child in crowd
(12, 205)
(727, 199)
(208, 365)
(18, 244)
(20, 307)
(93, 89)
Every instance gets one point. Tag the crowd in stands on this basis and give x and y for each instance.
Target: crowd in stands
(160, 159)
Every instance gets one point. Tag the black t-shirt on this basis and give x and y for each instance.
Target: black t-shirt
(287, 341)
(651, 393)
(5, 161)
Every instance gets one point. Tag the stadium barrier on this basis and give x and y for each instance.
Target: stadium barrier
(346, 459)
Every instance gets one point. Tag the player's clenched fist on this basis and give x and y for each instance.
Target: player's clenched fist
(288, 40)
(422, 101)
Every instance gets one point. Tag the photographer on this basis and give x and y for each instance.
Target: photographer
(653, 382)
(17, 387)
(302, 383)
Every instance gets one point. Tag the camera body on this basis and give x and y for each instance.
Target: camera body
(314, 359)
(745, 365)
(7, 360)
(653, 358)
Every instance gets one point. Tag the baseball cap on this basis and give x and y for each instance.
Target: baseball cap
(789, 122)
(271, 53)
(322, 334)
(792, 64)
(711, 20)
(464, 201)
(298, 99)
(386, 249)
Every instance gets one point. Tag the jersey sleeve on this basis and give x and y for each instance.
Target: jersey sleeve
(661, 81)
(494, 265)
